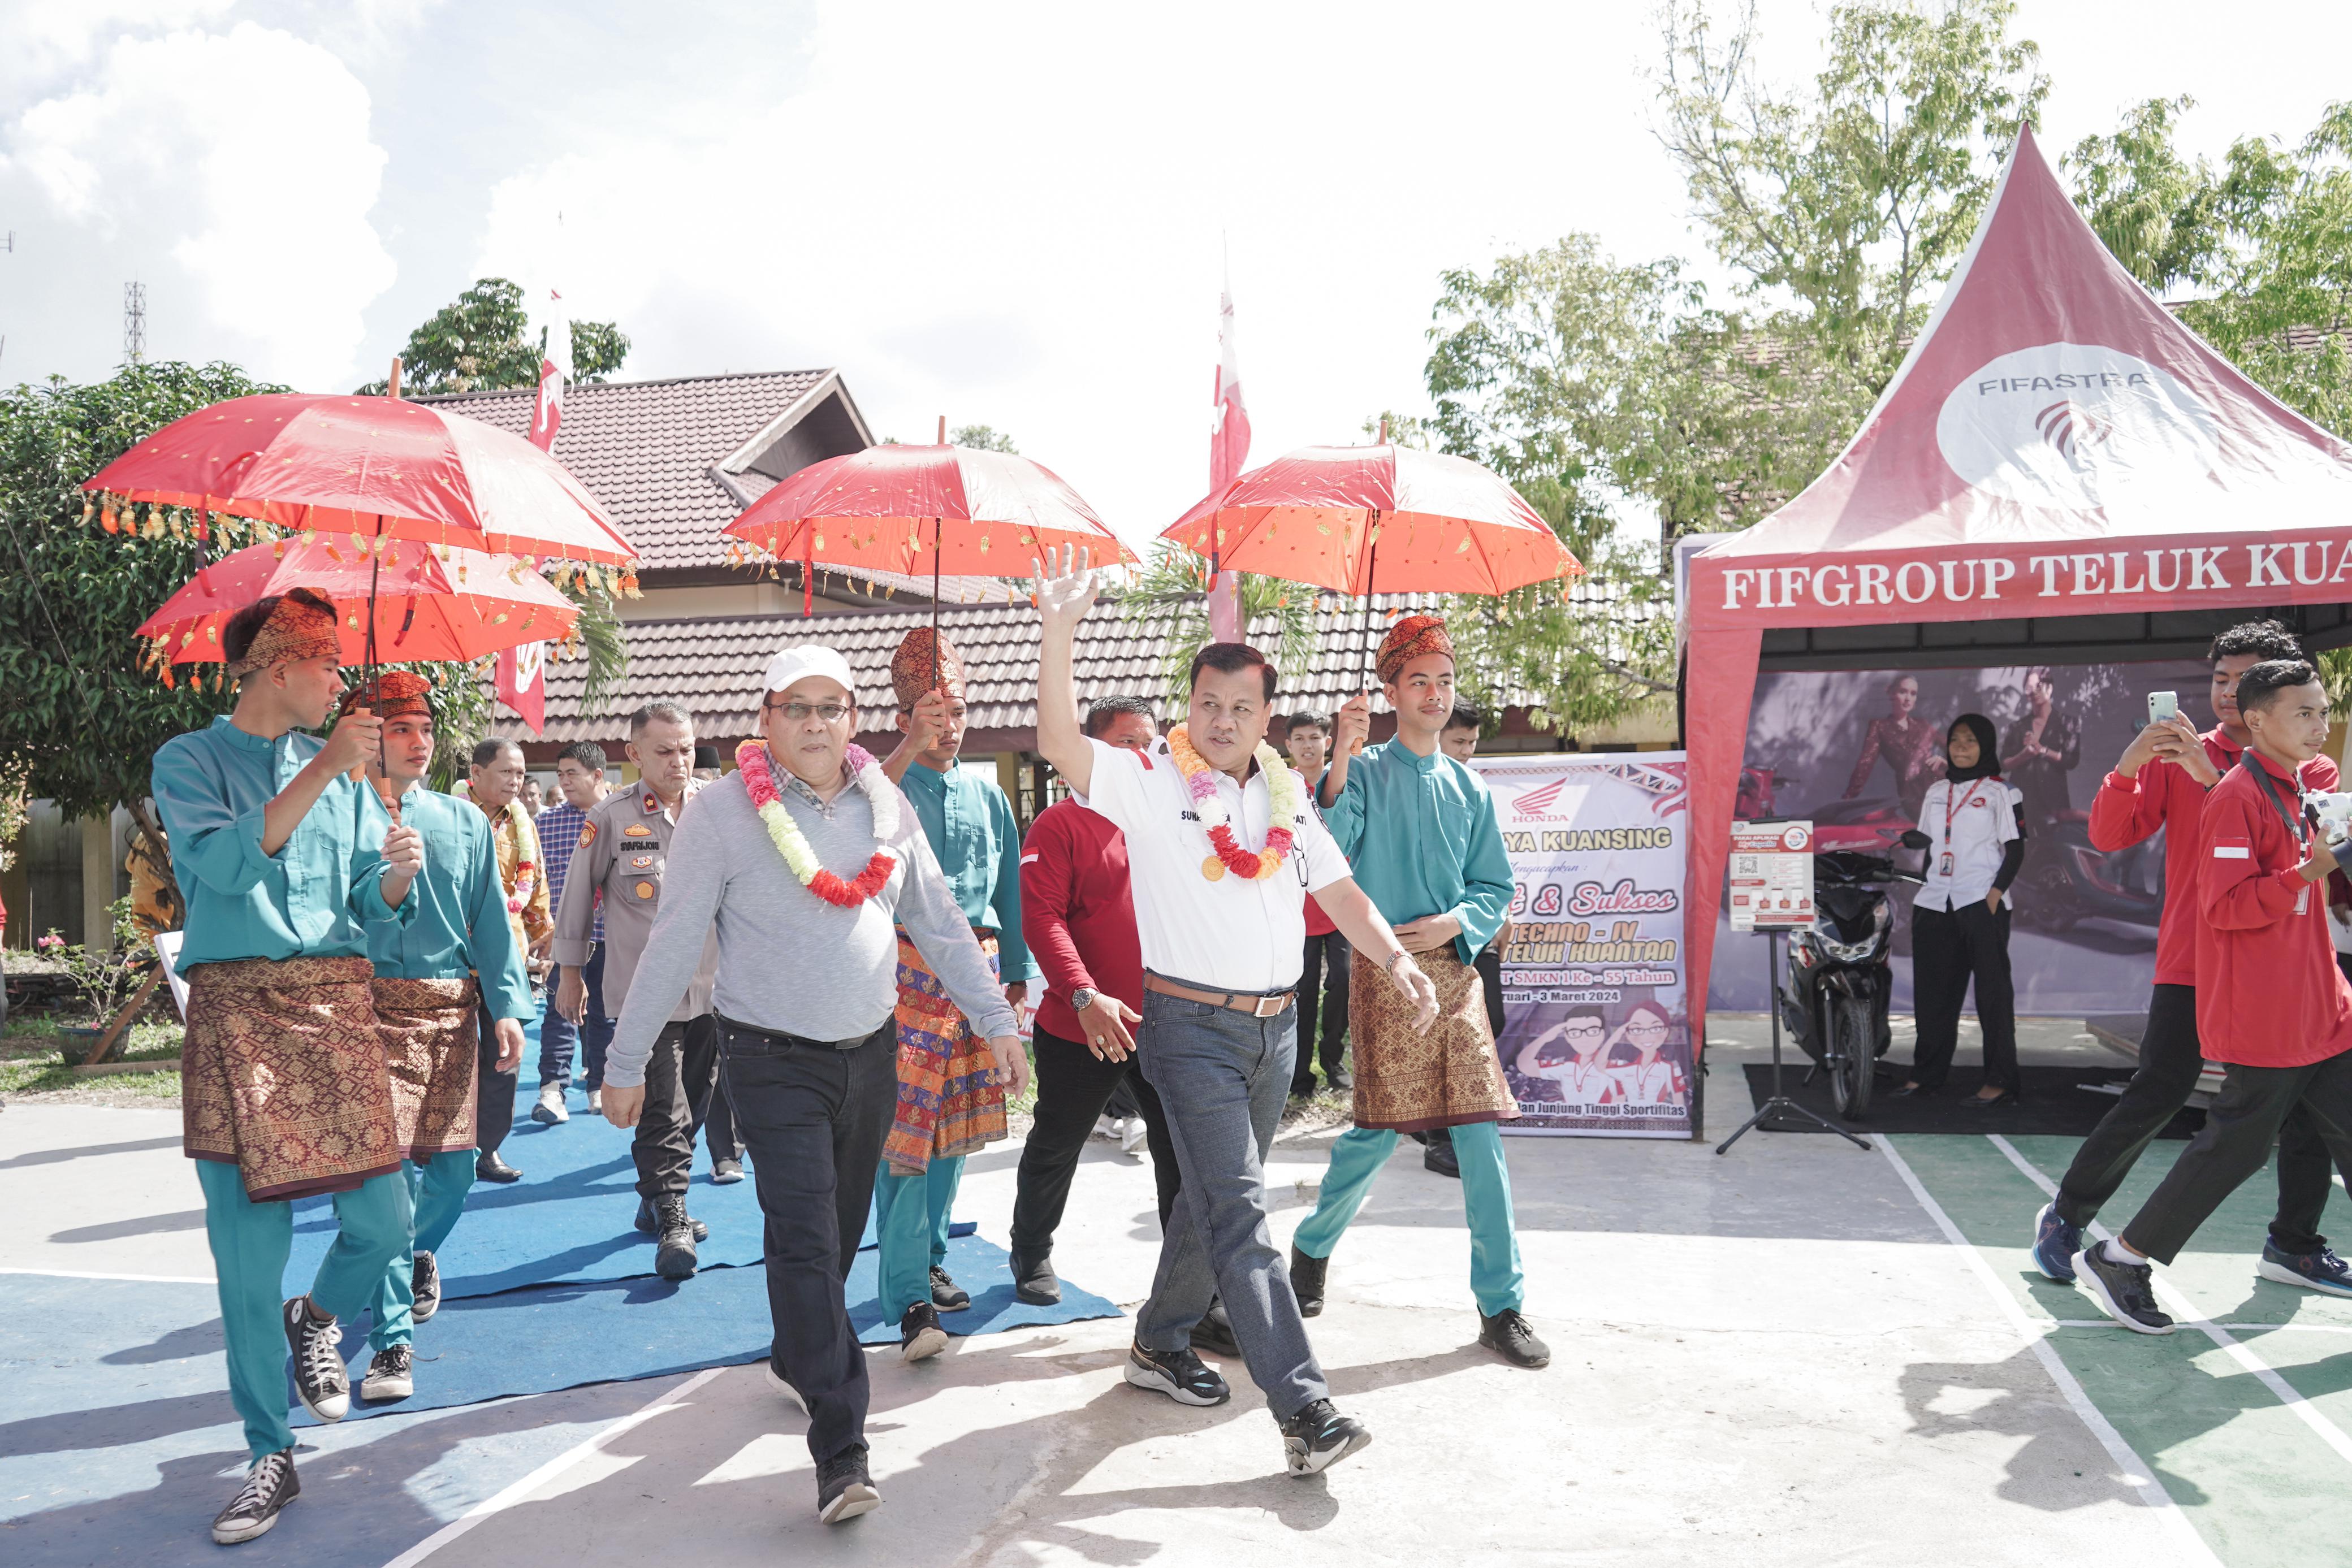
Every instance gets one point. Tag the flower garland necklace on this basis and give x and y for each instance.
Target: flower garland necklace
(1285, 802)
(759, 780)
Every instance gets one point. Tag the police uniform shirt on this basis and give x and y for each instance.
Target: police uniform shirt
(1964, 856)
(623, 848)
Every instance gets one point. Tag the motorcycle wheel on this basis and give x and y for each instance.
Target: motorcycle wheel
(1856, 1062)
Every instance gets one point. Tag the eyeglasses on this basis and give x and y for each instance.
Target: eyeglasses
(795, 713)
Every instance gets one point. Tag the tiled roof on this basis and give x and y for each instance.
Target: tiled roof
(714, 666)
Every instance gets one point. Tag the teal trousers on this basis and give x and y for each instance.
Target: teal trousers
(250, 1243)
(1495, 1275)
(910, 1220)
(436, 1194)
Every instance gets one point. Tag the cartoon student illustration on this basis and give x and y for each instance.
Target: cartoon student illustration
(1584, 1079)
(1647, 1080)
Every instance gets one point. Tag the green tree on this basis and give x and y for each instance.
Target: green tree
(1171, 590)
(979, 437)
(482, 342)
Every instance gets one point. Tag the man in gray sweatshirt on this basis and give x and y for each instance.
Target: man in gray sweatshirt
(810, 862)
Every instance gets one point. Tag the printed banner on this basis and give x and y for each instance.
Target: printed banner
(1596, 1033)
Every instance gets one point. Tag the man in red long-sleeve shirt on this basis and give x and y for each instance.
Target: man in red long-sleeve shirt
(2271, 1003)
(2161, 782)
(1078, 917)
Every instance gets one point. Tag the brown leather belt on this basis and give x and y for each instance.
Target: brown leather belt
(1239, 1001)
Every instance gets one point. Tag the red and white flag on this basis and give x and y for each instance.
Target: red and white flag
(554, 370)
(521, 684)
(1229, 443)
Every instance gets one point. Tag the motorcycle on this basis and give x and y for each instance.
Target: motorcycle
(2067, 879)
(1834, 993)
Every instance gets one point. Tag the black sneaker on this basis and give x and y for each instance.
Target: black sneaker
(1439, 1156)
(391, 1375)
(673, 1258)
(487, 1166)
(320, 1376)
(1507, 1335)
(269, 1487)
(424, 1287)
(2125, 1291)
(946, 1294)
(650, 1223)
(919, 1334)
(1214, 1332)
(845, 1488)
(1178, 1373)
(1034, 1280)
(1307, 1281)
(1318, 1437)
(726, 1173)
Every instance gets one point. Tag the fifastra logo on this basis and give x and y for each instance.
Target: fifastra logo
(2073, 428)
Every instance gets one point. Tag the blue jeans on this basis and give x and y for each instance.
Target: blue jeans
(1223, 1077)
(1495, 1276)
(594, 1032)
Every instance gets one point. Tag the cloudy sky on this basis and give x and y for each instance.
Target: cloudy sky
(1012, 214)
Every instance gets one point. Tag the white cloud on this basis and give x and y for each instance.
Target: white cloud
(246, 157)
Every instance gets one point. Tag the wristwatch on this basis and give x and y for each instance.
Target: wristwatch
(1082, 998)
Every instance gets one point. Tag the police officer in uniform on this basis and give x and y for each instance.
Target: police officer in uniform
(623, 846)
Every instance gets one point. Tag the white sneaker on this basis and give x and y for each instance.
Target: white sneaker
(550, 1109)
(1106, 1129)
(595, 1101)
(1131, 1138)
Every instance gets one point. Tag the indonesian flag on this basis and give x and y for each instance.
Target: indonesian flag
(554, 370)
(1229, 442)
(519, 685)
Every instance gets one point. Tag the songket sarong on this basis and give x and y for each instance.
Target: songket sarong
(282, 1075)
(1410, 1082)
(948, 1102)
(430, 1037)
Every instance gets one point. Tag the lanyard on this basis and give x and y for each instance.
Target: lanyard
(1951, 806)
(2294, 824)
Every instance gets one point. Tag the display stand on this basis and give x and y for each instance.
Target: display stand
(1778, 1101)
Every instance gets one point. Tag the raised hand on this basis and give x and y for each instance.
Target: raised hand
(1064, 585)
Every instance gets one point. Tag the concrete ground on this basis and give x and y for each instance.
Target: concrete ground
(1801, 1352)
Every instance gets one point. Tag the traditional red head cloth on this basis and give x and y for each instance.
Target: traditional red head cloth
(1413, 637)
(302, 626)
(398, 693)
(910, 668)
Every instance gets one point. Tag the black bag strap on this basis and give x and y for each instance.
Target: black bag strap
(2294, 820)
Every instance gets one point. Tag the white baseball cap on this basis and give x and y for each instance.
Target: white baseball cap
(792, 665)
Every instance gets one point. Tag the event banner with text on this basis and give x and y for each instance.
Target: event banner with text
(1596, 1036)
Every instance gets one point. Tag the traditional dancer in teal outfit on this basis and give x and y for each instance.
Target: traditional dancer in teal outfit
(1418, 828)
(283, 1090)
(948, 1104)
(433, 977)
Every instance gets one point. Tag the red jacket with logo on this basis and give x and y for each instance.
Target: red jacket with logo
(2126, 811)
(1078, 913)
(2269, 993)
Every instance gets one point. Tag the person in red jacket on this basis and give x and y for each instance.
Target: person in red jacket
(2271, 1003)
(2160, 782)
(1078, 919)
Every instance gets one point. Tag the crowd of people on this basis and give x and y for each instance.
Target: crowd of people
(816, 964)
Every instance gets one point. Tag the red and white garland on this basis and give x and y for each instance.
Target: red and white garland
(521, 893)
(1285, 801)
(759, 780)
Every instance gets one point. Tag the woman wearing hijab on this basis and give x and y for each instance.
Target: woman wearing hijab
(1975, 825)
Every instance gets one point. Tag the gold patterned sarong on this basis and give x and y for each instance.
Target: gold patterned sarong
(282, 1075)
(948, 1104)
(1409, 1083)
(430, 1037)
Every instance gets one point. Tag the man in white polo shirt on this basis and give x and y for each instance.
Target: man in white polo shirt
(1222, 849)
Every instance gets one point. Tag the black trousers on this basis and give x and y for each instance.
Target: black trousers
(1328, 960)
(1947, 948)
(1490, 981)
(1073, 1087)
(682, 1096)
(2254, 1103)
(815, 1118)
(2169, 1061)
(494, 1091)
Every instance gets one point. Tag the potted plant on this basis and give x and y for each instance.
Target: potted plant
(101, 979)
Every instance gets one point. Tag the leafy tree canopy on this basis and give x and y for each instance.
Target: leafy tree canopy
(981, 438)
(482, 342)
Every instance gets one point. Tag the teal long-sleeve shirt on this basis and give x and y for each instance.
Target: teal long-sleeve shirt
(1422, 835)
(312, 899)
(970, 826)
(461, 924)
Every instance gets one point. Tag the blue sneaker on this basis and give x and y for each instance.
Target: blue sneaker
(2322, 1271)
(2055, 1242)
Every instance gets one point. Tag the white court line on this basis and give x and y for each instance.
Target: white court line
(145, 1278)
(547, 1472)
(2138, 1473)
(2174, 1296)
(2242, 1328)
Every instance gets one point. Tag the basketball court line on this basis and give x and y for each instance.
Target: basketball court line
(2193, 1316)
(2136, 1472)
